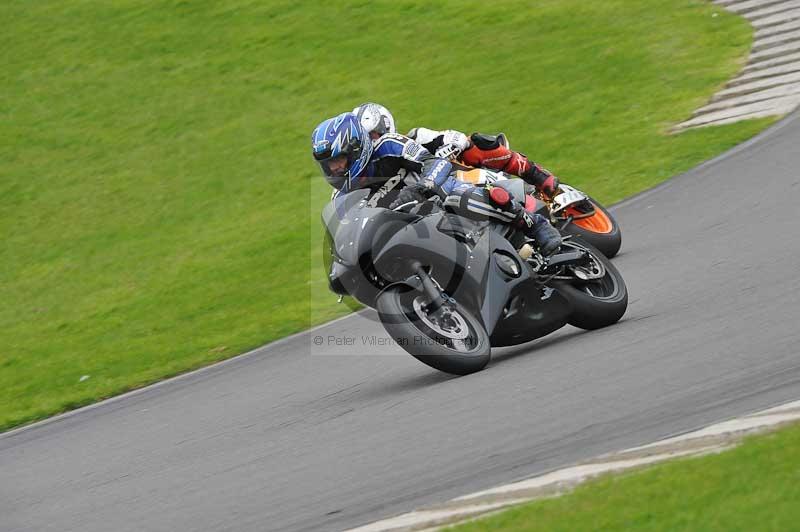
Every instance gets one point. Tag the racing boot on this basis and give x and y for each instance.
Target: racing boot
(489, 151)
(538, 228)
(535, 226)
(542, 179)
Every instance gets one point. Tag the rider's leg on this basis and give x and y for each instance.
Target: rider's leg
(479, 203)
(488, 152)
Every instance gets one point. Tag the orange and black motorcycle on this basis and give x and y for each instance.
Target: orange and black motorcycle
(571, 211)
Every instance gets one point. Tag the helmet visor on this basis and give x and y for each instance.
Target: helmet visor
(335, 169)
(383, 126)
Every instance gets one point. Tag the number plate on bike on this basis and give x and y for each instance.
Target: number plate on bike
(569, 196)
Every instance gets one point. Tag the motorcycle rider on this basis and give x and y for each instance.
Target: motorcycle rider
(487, 151)
(399, 170)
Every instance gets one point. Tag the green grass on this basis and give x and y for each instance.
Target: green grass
(753, 487)
(158, 202)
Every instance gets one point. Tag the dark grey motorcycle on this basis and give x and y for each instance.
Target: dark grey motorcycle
(447, 289)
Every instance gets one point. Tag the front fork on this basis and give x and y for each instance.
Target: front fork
(422, 281)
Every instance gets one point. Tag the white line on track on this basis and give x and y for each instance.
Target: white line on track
(712, 439)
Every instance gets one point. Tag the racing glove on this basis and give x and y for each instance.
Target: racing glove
(416, 192)
(453, 144)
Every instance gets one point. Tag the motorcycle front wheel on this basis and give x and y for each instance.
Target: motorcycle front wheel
(451, 339)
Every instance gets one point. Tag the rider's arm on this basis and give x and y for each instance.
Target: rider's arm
(436, 175)
(430, 139)
(397, 151)
(434, 171)
(445, 144)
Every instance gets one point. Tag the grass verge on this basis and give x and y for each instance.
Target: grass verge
(755, 486)
(159, 204)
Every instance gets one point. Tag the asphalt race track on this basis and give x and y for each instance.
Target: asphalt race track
(301, 437)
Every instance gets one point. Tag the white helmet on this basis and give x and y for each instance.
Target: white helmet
(375, 118)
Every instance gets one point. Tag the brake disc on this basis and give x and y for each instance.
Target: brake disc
(447, 322)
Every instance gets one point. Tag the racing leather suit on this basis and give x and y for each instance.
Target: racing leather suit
(486, 151)
(401, 169)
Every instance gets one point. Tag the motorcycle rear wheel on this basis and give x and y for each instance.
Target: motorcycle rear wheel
(600, 230)
(456, 343)
(596, 303)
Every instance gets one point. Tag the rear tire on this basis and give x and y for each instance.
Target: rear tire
(609, 242)
(414, 333)
(598, 303)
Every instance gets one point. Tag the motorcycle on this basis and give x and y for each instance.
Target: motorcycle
(571, 211)
(448, 289)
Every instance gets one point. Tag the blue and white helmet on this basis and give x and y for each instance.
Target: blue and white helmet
(342, 148)
(375, 118)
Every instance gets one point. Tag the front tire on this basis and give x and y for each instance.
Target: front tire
(596, 303)
(456, 343)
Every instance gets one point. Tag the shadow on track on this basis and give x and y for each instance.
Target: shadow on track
(558, 339)
(406, 384)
